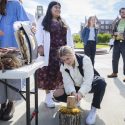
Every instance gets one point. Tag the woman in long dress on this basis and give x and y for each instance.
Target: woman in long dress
(52, 33)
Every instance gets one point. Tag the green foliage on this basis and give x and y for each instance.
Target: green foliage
(104, 38)
(76, 38)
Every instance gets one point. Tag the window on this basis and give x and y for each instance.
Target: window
(106, 27)
(102, 27)
(102, 21)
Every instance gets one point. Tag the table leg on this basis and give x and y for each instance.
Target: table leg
(36, 99)
(28, 101)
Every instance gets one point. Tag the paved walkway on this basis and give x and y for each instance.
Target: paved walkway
(113, 104)
(99, 51)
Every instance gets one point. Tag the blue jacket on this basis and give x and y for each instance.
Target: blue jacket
(85, 35)
(15, 12)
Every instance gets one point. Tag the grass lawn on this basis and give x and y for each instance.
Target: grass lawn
(80, 45)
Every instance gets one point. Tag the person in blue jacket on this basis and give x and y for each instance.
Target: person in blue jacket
(14, 12)
(10, 11)
(89, 37)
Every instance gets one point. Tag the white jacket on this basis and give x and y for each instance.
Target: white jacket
(43, 38)
(83, 82)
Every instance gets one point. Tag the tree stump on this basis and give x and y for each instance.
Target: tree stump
(70, 115)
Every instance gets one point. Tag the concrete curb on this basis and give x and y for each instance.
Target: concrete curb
(98, 51)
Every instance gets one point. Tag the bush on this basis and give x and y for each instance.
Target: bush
(76, 38)
(104, 38)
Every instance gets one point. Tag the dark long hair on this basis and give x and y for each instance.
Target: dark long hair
(3, 7)
(48, 17)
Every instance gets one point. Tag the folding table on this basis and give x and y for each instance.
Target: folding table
(24, 73)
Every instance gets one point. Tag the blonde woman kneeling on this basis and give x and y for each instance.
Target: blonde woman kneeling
(80, 79)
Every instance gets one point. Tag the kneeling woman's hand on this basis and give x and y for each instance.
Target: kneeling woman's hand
(79, 96)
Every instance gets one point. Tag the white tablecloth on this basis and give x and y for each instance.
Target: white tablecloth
(22, 72)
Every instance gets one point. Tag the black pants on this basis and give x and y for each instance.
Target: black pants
(119, 48)
(111, 46)
(98, 88)
(90, 50)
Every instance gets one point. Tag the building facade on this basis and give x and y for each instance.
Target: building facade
(105, 25)
(39, 12)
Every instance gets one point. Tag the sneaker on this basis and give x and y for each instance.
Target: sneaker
(91, 118)
(49, 101)
(112, 75)
(8, 114)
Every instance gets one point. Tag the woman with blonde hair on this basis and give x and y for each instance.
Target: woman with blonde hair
(89, 37)
(79, 79)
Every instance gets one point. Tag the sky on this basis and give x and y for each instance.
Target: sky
(75, 11)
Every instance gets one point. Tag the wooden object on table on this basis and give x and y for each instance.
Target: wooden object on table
(71, 102)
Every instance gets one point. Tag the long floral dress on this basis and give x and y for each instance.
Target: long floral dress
(49, 77)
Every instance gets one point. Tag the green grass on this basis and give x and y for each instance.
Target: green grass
(80, 45)
(102, 46)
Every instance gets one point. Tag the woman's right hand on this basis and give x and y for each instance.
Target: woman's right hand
(1, 33)
(41, 50)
